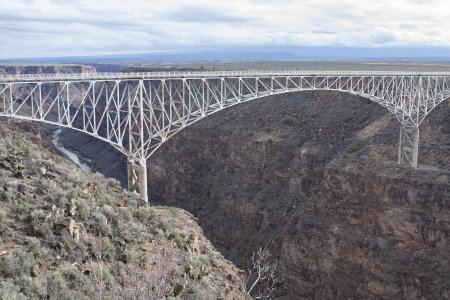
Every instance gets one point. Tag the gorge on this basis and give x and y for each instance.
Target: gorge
(313, 176)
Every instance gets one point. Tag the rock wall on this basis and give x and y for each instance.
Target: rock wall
(314, 177)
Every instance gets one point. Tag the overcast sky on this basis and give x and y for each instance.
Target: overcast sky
(38, 28)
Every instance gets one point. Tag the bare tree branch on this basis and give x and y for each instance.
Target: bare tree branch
(262, 277)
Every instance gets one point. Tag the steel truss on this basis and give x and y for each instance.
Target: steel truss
(137, 112)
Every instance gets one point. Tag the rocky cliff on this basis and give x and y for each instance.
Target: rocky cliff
(67, 234)
(314, 177)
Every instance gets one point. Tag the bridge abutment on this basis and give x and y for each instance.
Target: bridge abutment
(137, 178)
(408, 147)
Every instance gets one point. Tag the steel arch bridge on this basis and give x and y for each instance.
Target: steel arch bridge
(137, 112)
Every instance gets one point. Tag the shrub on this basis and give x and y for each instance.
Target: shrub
(56, 285)
(199, 263)
(113, 183)
(175, 236)
(243, 131)
(58, 195)
(20, 207)
(10, 291)
(144, 214)
(3, 223)
(82, 209)
(198, 293)
(354, 147)
(37, 217)
(313, 115)
(32, 243)
(289, 121)
(6, 196)
(298, 142)
(27, 285)
(127, 214)
(108, 249)
(110, 214)
(107, 199)
(16, 263)
(73, 276)
(99, 222)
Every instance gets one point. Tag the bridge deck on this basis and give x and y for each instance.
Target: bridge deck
(207, 74)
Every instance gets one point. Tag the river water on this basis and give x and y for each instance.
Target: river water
(73, 157)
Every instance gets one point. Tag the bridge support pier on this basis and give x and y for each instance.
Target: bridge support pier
(408, 147)
(137, 178)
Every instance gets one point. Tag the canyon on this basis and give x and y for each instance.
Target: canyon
(312, 176)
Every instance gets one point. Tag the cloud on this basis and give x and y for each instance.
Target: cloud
(33, 28)
(201, 14)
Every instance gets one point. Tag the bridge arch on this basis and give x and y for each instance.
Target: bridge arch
(248, 99)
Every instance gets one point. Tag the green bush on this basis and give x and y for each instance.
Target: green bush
(199, 263)
(58, 195)
(313, 115)
(33, 243)
(73, 276)
(354, 147)
(20, 207)
(109, 213)
(99, 222)
(16, 263)
(298, 142)
(3, 223)
(9, 290)
(175, 236)
(289, 121)
(108, 249)
(37, 217)
(27, 285)
(6, 196)
(144, 214)
(107, 199)
(56, 285)
(82, 209)
(243, 131)
(113, 183)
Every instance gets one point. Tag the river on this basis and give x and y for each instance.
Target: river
(73, 157)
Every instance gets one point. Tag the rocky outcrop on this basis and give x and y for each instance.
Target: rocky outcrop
(67, 234)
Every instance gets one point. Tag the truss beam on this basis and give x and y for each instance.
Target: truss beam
(137, 112)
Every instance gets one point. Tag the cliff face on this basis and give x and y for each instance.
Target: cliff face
(314, 176)
(50, 69)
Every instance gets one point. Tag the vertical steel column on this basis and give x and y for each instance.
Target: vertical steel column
(143, 180)
(415, 150)
(131, 175)
(408, 147)
(137, 178)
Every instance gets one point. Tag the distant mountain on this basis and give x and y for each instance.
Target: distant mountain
(260, 54)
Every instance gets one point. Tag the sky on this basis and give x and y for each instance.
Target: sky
(46, 28)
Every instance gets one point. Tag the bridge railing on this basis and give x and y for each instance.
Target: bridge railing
(202, 74)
